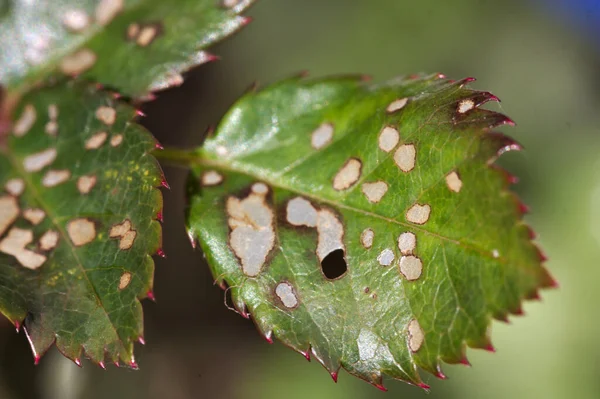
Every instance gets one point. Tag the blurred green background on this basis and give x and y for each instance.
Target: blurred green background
(544, 67)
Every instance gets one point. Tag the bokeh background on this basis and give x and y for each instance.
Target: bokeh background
(541, 57)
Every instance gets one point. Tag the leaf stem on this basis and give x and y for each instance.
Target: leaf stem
(178, 157)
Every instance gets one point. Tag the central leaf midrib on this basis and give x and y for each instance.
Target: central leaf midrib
(32, 189)
(198, 159)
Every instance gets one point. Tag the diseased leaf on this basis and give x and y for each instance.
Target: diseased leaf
(365, 224)
(78, 204)
(135, 46)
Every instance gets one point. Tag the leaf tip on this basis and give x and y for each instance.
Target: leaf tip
(334, 376)
(102, 365)
(141, 340)
(150, 295)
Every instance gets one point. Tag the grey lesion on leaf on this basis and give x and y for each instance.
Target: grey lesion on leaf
(252, 231)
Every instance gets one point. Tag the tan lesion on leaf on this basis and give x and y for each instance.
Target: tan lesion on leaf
(38, 161)
(418, 214)
(252, 234)
(55, 177)
(106, 10)
(322, 136)
(14, 244)
(348, 175)
(405, 157)
(416, 337)
(15, 186)
(9, 212)
(454, 182)
(465, 106)
(96, 141)
(49, 240)
(143, 34)
(78, 62)
(81, 231)
(211, 178)
(367, 237)
(124, 280)
(411, 267)
(25, 121)
(106, 115)
(76, 20)
(388, 138)
(374, 191)
(287, 295)
(125, 233)
(34, 215)
(116, 140)
(407, 242)
(86, 183)
(396, 105)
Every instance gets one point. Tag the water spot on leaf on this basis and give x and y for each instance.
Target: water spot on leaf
(300, 212)
(374, 191)
(418, 214)
(211, 178)
(322, 136)
(287, 296)
(25, 121)
(388, 138)
(38, 161)
(396, 105)
(55, 177)
(405, 157)
(415, 335)
(411, 267)
(334, 265)
(348, 175)
(407, 243)
(81, 231)
(453, 181)
(78, 62)
(366, 238)
(386, 257)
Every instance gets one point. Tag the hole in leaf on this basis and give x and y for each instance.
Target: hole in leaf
(334, 265)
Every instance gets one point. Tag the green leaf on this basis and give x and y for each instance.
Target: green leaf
(135, 46)
(395, 183)
(78, 212)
